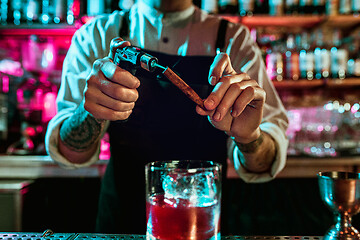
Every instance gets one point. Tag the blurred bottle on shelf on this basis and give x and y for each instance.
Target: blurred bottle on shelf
(32, 11)
(355, 6)
(276, 7)
(291, 7)
(247, 7)
(4, 8)
(339, 57)
(353, 66)
(210, 6)
(228, 6)
(305, 57)
(46, 15)
(16, 16)
(275, 62)
(292, 70)
(332, 7)
(95, 7)
(345, 7)
(318, 54)
(310, 56)
(74, 8)
(59, 11)
(325, 56)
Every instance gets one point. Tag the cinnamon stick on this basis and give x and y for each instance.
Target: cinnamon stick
(178, 82)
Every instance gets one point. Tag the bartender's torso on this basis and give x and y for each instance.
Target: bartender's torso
(163, 126)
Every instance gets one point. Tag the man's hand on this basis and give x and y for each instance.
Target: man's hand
(236, 102)
(110, 92)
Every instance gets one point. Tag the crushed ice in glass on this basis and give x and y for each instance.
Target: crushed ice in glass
(198, 188)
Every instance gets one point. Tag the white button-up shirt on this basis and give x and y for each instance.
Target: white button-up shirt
(191, 32)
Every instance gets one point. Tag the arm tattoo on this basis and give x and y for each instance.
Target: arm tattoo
(259, 155)
(251, 147)
(81, 130)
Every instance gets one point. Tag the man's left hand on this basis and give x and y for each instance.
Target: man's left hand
(236, 103)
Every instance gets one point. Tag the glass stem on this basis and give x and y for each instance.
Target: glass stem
(343, 221)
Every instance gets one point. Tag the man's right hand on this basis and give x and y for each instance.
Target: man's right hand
(111, 92)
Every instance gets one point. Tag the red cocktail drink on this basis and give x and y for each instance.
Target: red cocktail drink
(170, 219)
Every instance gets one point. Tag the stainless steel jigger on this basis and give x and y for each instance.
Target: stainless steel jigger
(340, 191)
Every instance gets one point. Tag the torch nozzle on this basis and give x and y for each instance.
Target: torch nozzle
(159, 66)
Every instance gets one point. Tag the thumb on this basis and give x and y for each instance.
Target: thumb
(221, 66)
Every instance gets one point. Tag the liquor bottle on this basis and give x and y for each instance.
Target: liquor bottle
(318, 69)
(302, 40)
(339, 57)
(326, 55)
(73, 11)
(292, 70)
(355, 6)
(276, 8)
(16, 10)
(95, 7)
(310, 56)
(343, 57)
(291, 7)
(59, 11)
(32, 11)
(332, 7)
(45, 12)
(345, 7)
(353, 65)
(275, 62)
(210, 6)
(4, 11)
(270, 60)
(228, 6)
(247, 7)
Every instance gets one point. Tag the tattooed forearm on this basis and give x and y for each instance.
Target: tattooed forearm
(81, 131)
(259, 155)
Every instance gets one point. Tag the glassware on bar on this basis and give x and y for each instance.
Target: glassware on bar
(183, 200)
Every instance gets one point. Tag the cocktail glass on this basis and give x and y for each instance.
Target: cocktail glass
(340, 191)
(183, 200)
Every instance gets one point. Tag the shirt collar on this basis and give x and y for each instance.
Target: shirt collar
(154, 16)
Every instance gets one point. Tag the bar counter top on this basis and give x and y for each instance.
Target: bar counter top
(42, 166)
(32, 167)
(92, 236)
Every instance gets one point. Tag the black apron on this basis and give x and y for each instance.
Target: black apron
(163, 126)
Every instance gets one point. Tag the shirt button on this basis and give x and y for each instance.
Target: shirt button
(165, 39)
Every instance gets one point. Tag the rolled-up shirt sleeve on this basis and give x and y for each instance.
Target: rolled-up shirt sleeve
(77, 65)
(246, 57)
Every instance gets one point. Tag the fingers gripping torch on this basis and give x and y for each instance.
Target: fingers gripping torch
(131, 58)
